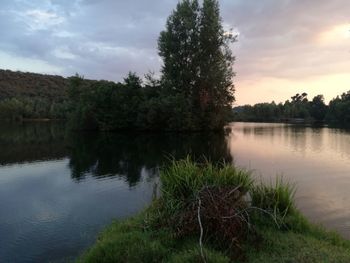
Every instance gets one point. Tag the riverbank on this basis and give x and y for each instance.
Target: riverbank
(205, 214)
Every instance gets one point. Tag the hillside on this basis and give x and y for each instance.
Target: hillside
(25, 95)
(28, 85)
(33, 96)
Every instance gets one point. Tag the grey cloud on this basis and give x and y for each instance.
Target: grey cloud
(276, 37)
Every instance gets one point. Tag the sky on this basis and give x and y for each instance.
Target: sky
(284, 46)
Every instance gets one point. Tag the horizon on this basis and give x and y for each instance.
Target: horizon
(283, 48)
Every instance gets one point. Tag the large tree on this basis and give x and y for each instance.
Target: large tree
(216, 90)
(198, 61)
(179, 46)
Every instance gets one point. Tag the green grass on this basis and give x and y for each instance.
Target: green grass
(144, 239)
(276, 198)
(128, 241)
(279, 246)
(182, 180)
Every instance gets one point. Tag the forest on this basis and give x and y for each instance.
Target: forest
(32, 96)
(299, 107)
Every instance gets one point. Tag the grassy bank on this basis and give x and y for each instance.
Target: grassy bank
(217, 213)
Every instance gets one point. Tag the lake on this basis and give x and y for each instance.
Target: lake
(59, 189)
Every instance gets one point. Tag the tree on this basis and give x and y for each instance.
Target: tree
(299, 98)
(178, 46)
(216, 90)
(299, 107)
(75, 87)
(198, 61)
(318, 108)
(133, 81)
(339, 109)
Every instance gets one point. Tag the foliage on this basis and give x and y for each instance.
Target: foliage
(299, 107)
(318, 108)
(16, 84)
(179, 47)
(198, 62)
(339, 110)
(32, 96)
(130, 105)
(33, 108)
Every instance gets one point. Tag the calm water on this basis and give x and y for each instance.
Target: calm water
(59, 189)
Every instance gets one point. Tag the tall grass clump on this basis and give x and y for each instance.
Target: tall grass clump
(207, 199)
(276, 198)
(183, 180)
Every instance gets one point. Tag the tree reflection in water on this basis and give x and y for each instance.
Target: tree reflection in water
(127, 155)
(101, 155)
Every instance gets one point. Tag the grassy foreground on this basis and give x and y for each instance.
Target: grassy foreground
(210, 213)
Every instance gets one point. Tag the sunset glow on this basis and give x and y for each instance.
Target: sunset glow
(269, 89)
(335, 35)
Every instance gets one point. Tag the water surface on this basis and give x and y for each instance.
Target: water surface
(59, 189)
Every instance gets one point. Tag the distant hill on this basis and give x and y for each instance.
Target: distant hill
(25, 95)
(15, 84)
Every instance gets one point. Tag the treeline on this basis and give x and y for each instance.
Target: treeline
(25, 95)
(25, 84)
(194, 92)
(132, 104)
(30, 95)
(33, 108)
(299, 108)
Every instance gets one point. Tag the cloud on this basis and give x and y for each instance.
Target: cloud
(288, 40)
(15, 63)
